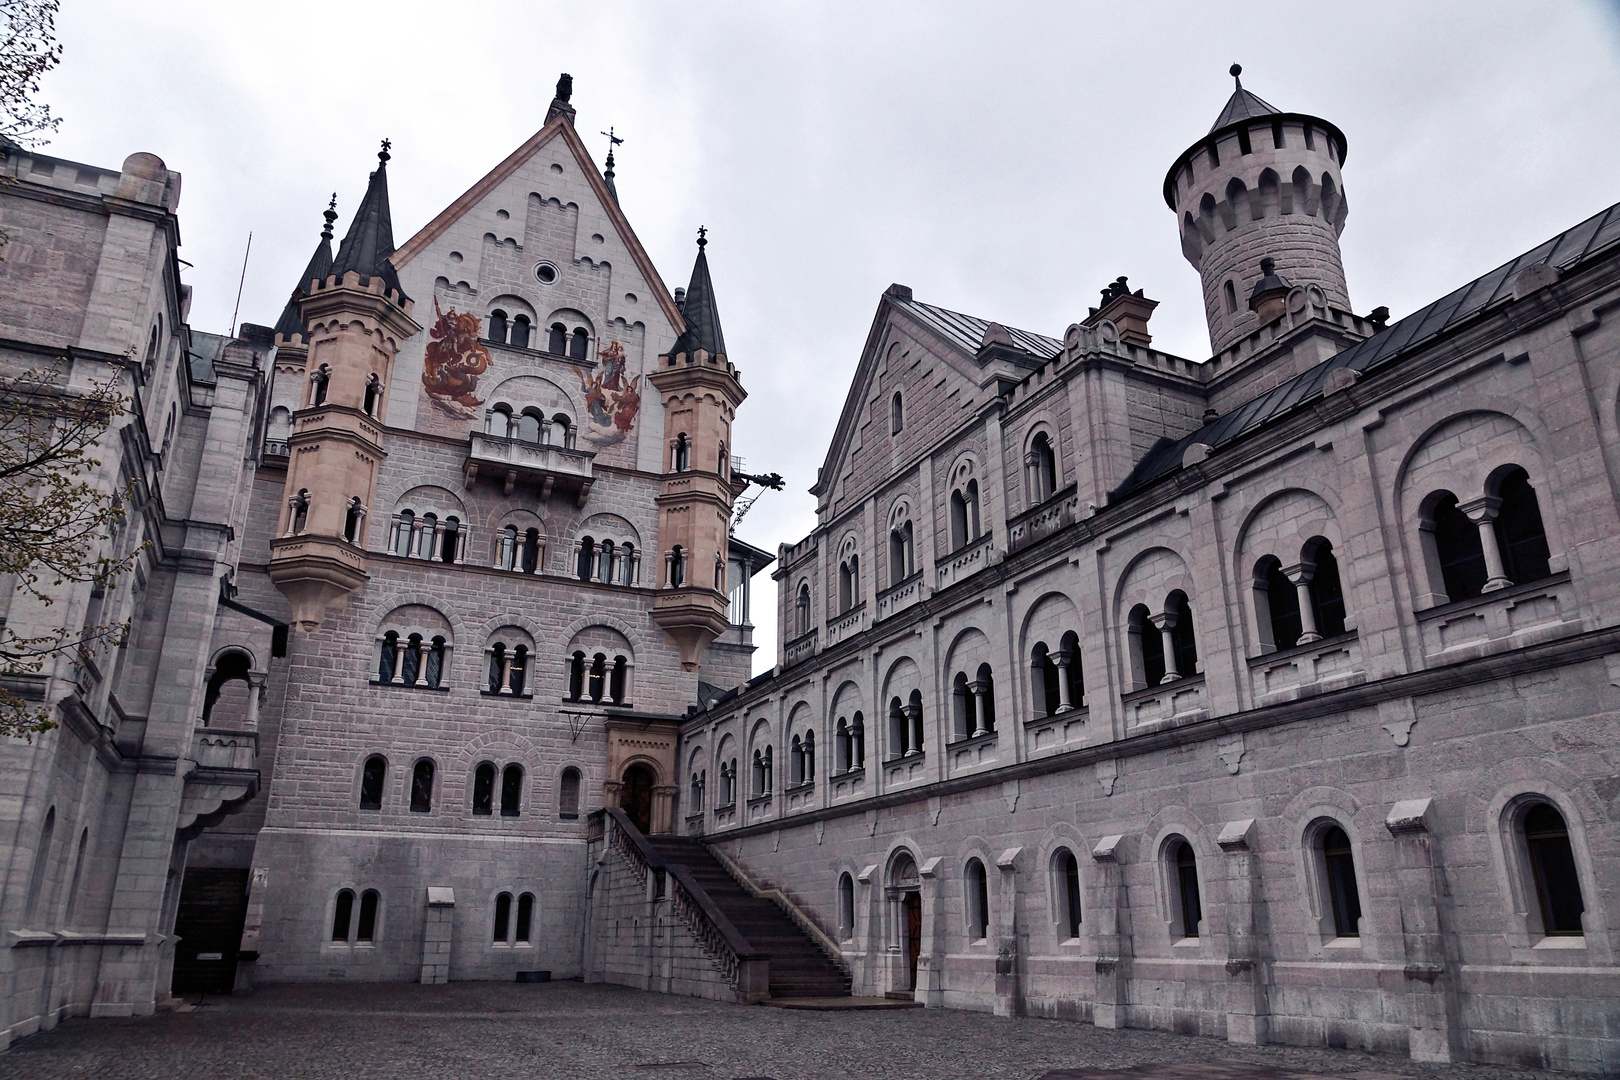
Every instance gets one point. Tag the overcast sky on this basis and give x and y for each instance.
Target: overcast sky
(1004, 159)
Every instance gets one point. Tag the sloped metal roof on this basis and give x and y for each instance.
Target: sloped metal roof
(968, 331)
(1591, 237)
(1241, 106)
(701, 314)
(370, 239)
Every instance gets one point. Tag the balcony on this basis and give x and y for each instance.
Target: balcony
(1058, 512)
(849, 784)
(1306, 670)
(1168, 704)
(909, 769)
(1509, 618)
(223, 776)
(800, 648)
(846, 625)
(965, 561)
(974, 752)
(896, 599)
(550, 468)
(1057, 731)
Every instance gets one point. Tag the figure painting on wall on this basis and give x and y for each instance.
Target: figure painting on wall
(611, 401)
(453, 362)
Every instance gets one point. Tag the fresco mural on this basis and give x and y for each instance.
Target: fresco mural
(453, 362)
(611, 401)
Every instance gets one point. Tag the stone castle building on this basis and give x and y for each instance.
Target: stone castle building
(1270, 696)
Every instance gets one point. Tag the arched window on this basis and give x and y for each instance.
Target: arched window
(342, 915)
(1189, 910)
(411, 660)
(1339, 871)
(422, 787)
(970, 498)
(520, 664)
(483, 799)
(450, 543)
(902, 557)
(978, 901)
(557, 341)
(683, 453)
(1068, 880)
(319, 382)
(530, 560)
(1519, 533)
(1042, 469)
(525, 919)
(984, 693)
(579, 345)
(528, 426)
(576, 676)
(846, 907)
(372, 776)
(808, 766)
(366, 931)
(962, 710)
(232, 667)
(511, 791)
(1552, 866)
(503, 917)
(568, 794)
(1457, 548)
(390, 653)
(857, 742)
(897, 416)
(1326, 591)
(1043, 680)
(373, 394)
(959, 521)
(695, 795)
(404, 533)
(497, 326)
(1280, 610)
(586, 561)
(618, 676)
(1230, 292)
(796, 762)
(802, 609)
(42, 862)
(1074, 678)
(498, 421)
(71, 909)
(677, 567)
(299, 507)
(849, 585)
(506, 547)
(598, 676)
(627, 564)
(841, 747)
(520, 331)
(353, 514)
(1147, 648)
(1182, 639)
(497, 667)
(562, 431)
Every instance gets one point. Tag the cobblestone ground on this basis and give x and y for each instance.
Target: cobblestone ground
(495, 1031)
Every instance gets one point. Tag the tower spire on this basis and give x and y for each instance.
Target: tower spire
(370, 239)
(701, 314)
(320, 264)
(607, 174)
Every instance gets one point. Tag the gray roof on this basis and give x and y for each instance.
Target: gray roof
(370, 239)
(699, 310)
(1241, 106)
(1595, 236)
(320, 265)
(968, 330)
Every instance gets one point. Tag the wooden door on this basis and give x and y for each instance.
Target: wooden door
(635, 797)
(913, 904)
(213, 907)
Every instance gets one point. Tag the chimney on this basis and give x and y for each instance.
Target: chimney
(1130, 311)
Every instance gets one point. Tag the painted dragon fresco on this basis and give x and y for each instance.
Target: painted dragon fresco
(611, 400)
(453, 362)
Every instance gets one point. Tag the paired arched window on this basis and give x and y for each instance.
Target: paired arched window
(520, 550)
(1187, 909)
(354, 512)
(681, 455)
(483, 793)
(510, 931)
(1163, 647)
(977, 900)
(348, 929)
(568, 794)
(1066, 879)
(422, 786)
(1486, 543)
(508, 668)
(1040, 466)
(1300, 603)
(373, 775)
(849, 744)
(973, 703)
(608, 561)
(411, 659)
(906, 726)
(762, 772)
(802, 759)
(902, 553)
(849, 582)
(801, 609)
(965, 515)
(1056, 681)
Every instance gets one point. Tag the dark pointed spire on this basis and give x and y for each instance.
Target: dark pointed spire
(607, 174)
(370, 239)
(1242, 105)
(320, 264)
(702, 317)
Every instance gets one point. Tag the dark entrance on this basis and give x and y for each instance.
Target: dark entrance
(913, 906)
(213, 907)
(635, 796)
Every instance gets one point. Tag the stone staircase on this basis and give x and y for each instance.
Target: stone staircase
(799, 968)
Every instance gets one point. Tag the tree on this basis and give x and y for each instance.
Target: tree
(28, 49)
(60, 526)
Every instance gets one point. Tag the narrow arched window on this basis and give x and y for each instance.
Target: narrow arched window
(71, 909)
(802, 609)
(411, 660)
(984, 691)
(1230, 291)
(385, 663)
(1147, 647)
(366, 930)
(1519, 533)
(617, 678)
(1327, 592)
(604, 562)
(970, 496)
(42, 862)
(897, 416)
(846, 907)
(1068, 660)
(506, 549)
(627, 565)
(531, 551)
(576, 676)
(422, 787)
(1340, 870)
(372, 776)
(683, 452)
(579, 345)
(435, 662)
(352, 516)
(520, 665)
(587, 558)
(483, 799)
(1069, 877)
(557, 341)
(404, 533)
(342, 915)
(1281, 605)
(511, 791)
(525, 919)
(1552, 865)
(1043, 469)
(959, 520)
(497, 667)
(1182, 638)
(373, 394)
(677, 567)
(562, 431)
(497, 326)
(503, 917)
(318, 385)
(528, 426)
(1043, 677)
(568, 794)
(695, 795)
(962, 706)
(857, 742)
(598, 676)
(520, 331)
(450, 544)
(1458, 550)
(1190, 909)
(796, 762)
(978, 900)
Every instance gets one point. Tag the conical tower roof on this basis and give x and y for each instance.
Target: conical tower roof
(702, 317)
(1242, 105)
(320, 265)
(370, 239)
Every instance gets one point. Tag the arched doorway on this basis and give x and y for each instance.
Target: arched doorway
(905, 901)
(635, 796)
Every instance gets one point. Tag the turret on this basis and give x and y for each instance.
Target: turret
(355, 319)
(701, 392)
(1262, 184)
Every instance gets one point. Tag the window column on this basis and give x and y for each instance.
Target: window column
(1063, 659)
(1299, 575)
(400, 644)
(1165, 622)
(1482, 512)
(914, 720)
(977, 688)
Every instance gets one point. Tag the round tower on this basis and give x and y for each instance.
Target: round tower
(1262, 184)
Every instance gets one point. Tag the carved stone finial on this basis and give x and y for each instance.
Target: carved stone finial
(565, 87)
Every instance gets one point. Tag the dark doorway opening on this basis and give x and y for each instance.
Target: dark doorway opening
(635, 797)
(913, 906)
(213, 907)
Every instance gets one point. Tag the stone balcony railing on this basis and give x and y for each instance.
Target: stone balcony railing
(550, 468)
(1509, 618)
(965, 561)
(899, 597)
(1180, 701)
(224, 776)
(800, 648)
(1306, 670)
(1061, 510)
(846, 625)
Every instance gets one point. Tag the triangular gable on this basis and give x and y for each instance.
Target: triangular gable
(516, 160)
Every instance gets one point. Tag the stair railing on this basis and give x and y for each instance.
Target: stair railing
(747, 970)
(834, 951)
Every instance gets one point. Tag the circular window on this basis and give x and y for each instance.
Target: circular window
(545, 273)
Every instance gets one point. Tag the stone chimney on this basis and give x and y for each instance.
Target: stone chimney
(1130, 311)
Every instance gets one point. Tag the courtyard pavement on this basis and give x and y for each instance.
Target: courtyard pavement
(495, 1031)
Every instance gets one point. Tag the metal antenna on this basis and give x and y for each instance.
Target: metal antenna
(240, 283)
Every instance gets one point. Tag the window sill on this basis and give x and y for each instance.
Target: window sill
(856, 773)
(1561, 941)
(903, 759)
(441, 688)
(760, 800)
(567, 817)
(965, 741)
(588, 703)
(497, 694)
(799, 788)
(1187, 943)
(1342, 943)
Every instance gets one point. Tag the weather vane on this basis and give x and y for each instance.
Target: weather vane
(613, 140)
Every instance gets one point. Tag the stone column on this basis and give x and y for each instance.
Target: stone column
(1482, 512)
(398, 678)
(1108, 904)
(437, 930)
(1246, 1004)
(247, 954)
(1009, 988)
(913, 714)
(1062, 659)
(1431, 994)
(1299, 575)
(256, 692)
(1165, 622)
(977, 689)
(931, 964)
